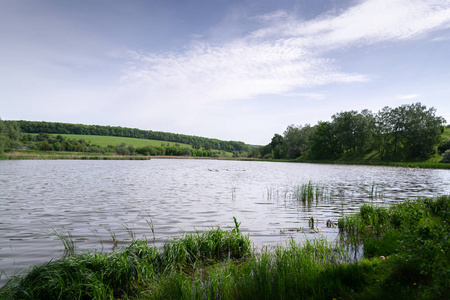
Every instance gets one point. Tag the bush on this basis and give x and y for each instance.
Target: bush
(444, 145)
(446, 157)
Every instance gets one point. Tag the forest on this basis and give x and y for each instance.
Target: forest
(407, 132)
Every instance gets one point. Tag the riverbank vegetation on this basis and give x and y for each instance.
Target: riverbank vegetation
(408, 133)
(405, 255)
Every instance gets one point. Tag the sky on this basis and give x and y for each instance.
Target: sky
(227, 69)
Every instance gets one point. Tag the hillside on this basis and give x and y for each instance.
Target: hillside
(195, 142)
(105, 141)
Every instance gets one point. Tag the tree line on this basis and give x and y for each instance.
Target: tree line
(195, 141)
(12, 139)
(406, 132)
(48, 142)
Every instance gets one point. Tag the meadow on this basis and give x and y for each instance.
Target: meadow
(104, 141)
(405, 249)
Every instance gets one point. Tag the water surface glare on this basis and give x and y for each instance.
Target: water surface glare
(92, 199)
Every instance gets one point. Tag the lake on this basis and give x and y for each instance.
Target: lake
(98, 201)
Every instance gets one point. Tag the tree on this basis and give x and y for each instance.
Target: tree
(9, 135)
(276, 146)
(297, 140)
(4, 139)
(353, 130)
(344, 125)
(423, 130)
(324, 144)
(408, 131)
(364, 130)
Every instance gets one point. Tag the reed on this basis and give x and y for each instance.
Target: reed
(67, 240)
(416, 233)
(309, 192)
(412, 237)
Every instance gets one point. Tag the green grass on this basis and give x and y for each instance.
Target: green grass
(44, 155)
(412, 237)
(415, 233)
(445, 134)
(104, 141)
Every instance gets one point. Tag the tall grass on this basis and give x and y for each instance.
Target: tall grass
(411, 239)
(295, 271)
(67, 240)
(305, 193)
(124, 272)
(416, 233)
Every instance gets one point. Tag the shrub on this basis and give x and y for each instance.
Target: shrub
(444, 145)
(446, 157)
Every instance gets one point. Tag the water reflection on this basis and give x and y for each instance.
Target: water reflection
(93, 199)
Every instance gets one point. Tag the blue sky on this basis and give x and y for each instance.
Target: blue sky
(233, 70)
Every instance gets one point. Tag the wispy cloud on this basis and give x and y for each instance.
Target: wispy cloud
(408, 97)
(284, 54)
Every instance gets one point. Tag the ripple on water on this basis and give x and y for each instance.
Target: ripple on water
(92, 200)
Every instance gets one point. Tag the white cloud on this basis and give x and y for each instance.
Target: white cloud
(315, 96)
(285, 55)
(408, 97)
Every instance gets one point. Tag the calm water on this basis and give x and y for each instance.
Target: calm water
(90, 199)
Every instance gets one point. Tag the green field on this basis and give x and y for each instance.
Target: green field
(116, 140)
(446, 133)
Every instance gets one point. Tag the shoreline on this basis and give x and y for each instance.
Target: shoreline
(19, 155)
(223, 263)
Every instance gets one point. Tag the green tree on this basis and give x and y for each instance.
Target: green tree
(10, 135)
(277, 148)
(364, 130)
(324, 144)
(297, 140)
(408, 131)
(4, 139)
(444, 145)
(344, 126)
(423, 130)
(131, 149)
(353, 130)
(122, 149)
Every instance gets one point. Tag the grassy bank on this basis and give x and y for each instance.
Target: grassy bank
(406, 256)
(49, 155)
(423, 164)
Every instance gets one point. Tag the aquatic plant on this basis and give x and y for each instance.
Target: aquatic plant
(111, 275)
(376, 191)
(308, 192)
(406, 249)
(416, 232)
(67, 240)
